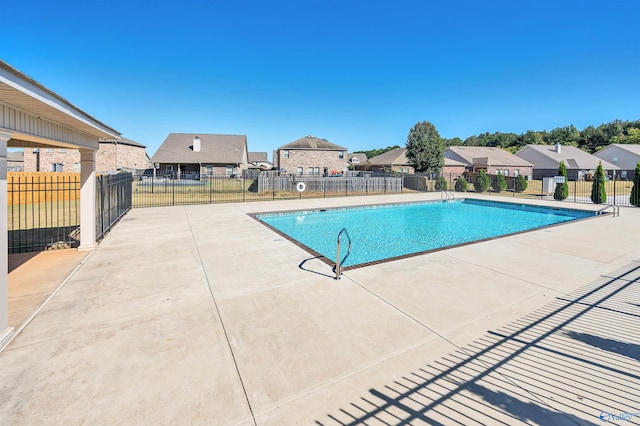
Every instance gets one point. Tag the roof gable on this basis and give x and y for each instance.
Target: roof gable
(214, 149)
(313, 143)
(395, 157)
(548, 157)
(473, 155)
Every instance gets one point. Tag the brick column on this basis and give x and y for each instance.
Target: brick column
(87, 199)
(6, 332)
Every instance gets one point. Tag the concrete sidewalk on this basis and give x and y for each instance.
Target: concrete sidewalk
(201, 315)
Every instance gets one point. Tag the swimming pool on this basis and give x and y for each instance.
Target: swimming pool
(390, 231)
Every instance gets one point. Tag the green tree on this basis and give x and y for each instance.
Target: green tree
(598, 190)
(499, 183)
(482, 182)
(425, 149)
(635, 191)
(461, 185)
(562, 189)
(521, 183)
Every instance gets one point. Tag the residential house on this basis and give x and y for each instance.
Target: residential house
(625, 156)
(489, 159)
(393, 161)
(546, 161)
(311, 156)
(189, 155)
(259, 160)
(113, 155)
(358, 160)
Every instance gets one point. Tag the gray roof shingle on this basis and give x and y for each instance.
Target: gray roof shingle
(395, 157)
(547, 157)
(215, 149)
(311, 142)
(494, 156)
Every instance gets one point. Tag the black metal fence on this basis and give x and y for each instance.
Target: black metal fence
(616, 192)
(43, 211)
(113, 200)
(156, 191)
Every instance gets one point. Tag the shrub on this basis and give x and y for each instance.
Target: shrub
(482, 182)
(441, 184)
(562, 189)
(598, 190)
(499, 183)
(635, 191)
(461, 185)
(521, 183)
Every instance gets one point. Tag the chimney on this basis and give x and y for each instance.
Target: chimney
(558, 148)
(196, 144)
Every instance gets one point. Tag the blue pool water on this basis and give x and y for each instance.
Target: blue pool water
(389, 231)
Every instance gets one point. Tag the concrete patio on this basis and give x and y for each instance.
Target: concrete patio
(201, 315)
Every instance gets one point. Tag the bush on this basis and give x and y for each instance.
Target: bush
(499, 183)
(635, 191)
(482, 182)
(441, 184)
(461, 185)
(562, 189)
(521, 184)
(598, 190)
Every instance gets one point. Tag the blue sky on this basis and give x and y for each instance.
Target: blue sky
(358, 73)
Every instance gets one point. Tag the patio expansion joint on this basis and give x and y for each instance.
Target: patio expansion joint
(219, 315)
(462, 349)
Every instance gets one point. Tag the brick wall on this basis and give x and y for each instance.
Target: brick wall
(306, 159)
(108, 158)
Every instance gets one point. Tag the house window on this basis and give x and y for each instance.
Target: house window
(340, 154)
(50, 150)
(62, 150)
(76, 167)
(285, 153)
(169, 167)
(310, 172)
(300, 171)
(316, 171)
(56, 167)
(209, 169)
(229, 170)
(506, 172)
(623, 174)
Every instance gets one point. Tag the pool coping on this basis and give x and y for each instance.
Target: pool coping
(332, 263)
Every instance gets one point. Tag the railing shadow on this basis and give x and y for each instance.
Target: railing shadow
(566, 363)
(302, 266)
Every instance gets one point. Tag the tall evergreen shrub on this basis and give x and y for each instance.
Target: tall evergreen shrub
(441, 183)
(635, 191)
(499, 183)
(562, 189)
(521, 183)
(461, 185)
(598, 190)
(482, 182)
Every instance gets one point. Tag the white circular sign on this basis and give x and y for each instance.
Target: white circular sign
(301, 186)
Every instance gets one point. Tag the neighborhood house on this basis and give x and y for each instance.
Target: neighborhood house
(190, 155)
(311, 156)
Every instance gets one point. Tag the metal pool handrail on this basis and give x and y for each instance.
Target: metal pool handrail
(448, 194)
(338, 267)
(616, 210)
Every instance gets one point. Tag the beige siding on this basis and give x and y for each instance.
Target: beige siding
(29, 124)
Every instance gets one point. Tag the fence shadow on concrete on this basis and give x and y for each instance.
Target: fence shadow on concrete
(574, 361)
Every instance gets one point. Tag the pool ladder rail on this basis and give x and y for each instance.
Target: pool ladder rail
(615, 209)
(339, 263)
(448, 195)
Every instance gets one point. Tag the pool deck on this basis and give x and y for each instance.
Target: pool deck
(201, 315)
